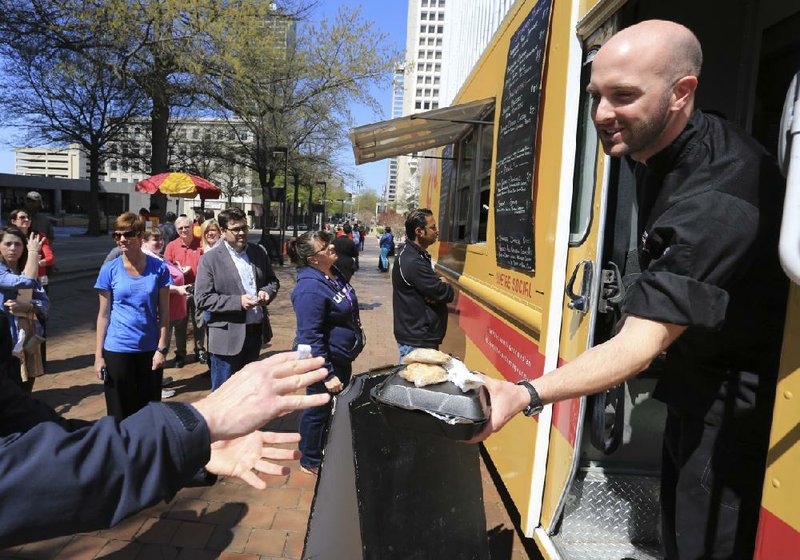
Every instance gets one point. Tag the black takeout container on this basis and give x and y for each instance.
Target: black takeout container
(407, 406)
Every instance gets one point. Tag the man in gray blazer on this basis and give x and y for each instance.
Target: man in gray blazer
(235, 283)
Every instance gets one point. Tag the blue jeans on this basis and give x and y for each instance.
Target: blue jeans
(313, 421)
(404, 349)
(384, 258)
(223, 367)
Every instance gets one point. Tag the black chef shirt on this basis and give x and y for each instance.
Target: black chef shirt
(710, 207)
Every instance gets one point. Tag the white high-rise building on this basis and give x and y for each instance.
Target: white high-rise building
(443, 43)
(390, 190)
(469, 28)
(424, 40)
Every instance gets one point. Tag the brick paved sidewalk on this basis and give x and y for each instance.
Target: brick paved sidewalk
(229, 520)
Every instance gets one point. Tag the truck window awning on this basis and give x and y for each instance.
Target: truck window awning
(417, 132)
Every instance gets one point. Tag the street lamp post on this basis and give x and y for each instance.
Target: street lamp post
(294, 205)
(310, 208)
(342, 201)
(282, 207)
(324, 205)
(324, 185)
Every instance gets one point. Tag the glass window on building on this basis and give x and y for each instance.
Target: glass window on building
(435, 105)
(422, 28)
(423, 16)
(418, 105)
(431, 29)
(419, 92)
(440, 29)
(438, 67)
(427, 105)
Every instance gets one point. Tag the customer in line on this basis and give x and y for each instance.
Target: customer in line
(45, 258)
(132, 322)
(185, 253)
(21, 318)
(327, 320)
(386, 245)
(210, 233)
(178, 290)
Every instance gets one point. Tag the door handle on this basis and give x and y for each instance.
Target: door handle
(580, 302)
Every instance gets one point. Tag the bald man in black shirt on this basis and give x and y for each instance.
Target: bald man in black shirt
(711, 293)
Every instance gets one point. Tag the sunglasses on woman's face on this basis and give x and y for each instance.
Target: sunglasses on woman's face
(126, 234)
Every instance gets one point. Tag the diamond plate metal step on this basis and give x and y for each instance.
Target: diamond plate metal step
(610, 516)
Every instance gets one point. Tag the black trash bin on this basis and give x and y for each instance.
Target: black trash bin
(390, 492)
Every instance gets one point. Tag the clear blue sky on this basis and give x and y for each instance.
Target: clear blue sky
(389, 17)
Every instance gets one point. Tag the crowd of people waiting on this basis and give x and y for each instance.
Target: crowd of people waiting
(159, 277)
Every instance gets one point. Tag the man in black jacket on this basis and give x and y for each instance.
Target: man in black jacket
(420, 296)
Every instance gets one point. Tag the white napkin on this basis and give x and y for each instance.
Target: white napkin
(458, 373)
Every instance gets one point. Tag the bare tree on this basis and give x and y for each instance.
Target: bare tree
(60, 97)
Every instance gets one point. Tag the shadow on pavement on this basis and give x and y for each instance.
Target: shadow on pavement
(69, 364)
(217, 528)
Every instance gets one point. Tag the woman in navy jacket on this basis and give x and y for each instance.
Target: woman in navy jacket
(327, 320)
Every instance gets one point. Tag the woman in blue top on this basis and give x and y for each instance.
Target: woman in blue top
(132, 322)
(387, 245)
(18, 272)
(327, 320)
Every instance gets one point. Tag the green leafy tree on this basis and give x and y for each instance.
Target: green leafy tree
(296, 94)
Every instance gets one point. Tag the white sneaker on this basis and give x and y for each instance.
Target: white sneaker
(167, 393)
(17, 351)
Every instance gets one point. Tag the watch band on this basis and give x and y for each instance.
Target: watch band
(535, 406)
(163, 350)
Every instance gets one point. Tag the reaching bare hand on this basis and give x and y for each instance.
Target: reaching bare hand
(241, 456)
(261, 391)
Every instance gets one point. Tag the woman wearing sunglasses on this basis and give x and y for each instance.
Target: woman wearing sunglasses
(132, 322)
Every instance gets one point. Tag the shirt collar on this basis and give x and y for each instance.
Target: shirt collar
(231, 250)
(668, 157)
(420, 250)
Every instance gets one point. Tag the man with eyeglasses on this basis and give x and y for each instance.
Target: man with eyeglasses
(185, 252)
(419, 295)
(235, 284)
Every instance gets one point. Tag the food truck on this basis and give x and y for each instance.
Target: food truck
(536, 228)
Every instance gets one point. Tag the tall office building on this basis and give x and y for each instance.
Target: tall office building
(424, 39)
(469, 29)
(390, 189)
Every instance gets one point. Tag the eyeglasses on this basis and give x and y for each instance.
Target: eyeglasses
(237, 230)
(23, 218)
(117, 235)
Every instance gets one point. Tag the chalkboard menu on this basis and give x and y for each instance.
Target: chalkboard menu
(448, 174)
(516, 141)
